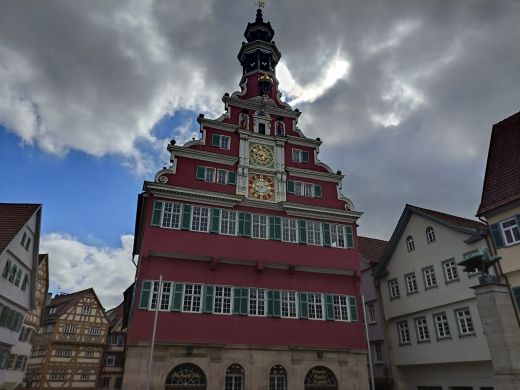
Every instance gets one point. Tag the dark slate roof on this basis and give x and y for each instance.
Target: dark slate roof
(116, 314)
(371, 248)
(475, 229)
(13, 216)
(502, 178)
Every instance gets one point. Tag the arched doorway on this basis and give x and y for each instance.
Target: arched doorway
(320, 378)
(186, 376)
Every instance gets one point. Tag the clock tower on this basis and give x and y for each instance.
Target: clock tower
(247, 252)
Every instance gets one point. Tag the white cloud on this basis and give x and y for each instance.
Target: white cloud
(74, 266)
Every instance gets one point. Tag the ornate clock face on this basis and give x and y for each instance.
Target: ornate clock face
(261, 155)
(261, 187)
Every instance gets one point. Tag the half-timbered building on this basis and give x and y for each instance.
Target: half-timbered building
(247, 253)
(68, 348)
(112, 366)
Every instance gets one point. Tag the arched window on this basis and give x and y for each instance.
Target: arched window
(320, 378)
(410, 245)
(235, 377)
(186, 376)
(278, 378)
(280, 128)
(430, 235)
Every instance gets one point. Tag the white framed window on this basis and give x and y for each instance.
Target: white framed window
(511, 231)
(165, 296)
(450, 270)
(89, 353)
(464, 322)
(308, 190)
(393, 288)
(411, 283)
(210, 175)
(410, 244)
(371, 313)
(315, 305)
(222, 300)
(378, 352)
(340, 305)
(222, 176)
(57, 375)
(337, 236)
(171, 216)
(257, 302)
(300, 156)
(313, 233)
(442, 328)
(192, 299)
(403, 332)
(69, 329)
(289, 304)
(421, 326)
(85, 310)
(260, 224)
(429, 277)
(289, 230)
(24, 238)
(228, 222)
(64, 351)
(155, 295)
(220, 141)
(234, 376)
(430, 235)
(85, 375)
(200, 219)
(94, 331)
(298, 188)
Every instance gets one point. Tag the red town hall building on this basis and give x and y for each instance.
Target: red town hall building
(257, 249)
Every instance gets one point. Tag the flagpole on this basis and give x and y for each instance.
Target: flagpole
(150, 363)
(368, 343)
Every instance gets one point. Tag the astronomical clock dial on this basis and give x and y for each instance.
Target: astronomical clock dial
(261, 187)
(261, 155)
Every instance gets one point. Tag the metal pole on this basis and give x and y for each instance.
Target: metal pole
(368, 343)
(150, 363)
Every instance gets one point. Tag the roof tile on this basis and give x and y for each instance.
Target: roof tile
(371, 248)
(13, 216)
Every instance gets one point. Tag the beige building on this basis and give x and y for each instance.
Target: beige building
(433, 326)
(500, 204)
(68, 348)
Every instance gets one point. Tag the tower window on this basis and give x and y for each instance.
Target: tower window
(261, 128)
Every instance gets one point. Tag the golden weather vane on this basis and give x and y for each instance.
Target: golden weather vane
(260, 3)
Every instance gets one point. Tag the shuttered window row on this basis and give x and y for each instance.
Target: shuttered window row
(215, 299)
(237, 223)
(10, 318)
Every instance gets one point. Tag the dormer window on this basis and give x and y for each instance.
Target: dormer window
(430, 235)
(410, 244)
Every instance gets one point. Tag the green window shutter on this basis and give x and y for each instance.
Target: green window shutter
(145, 294)
(232, 177)
(157, 211)
(236, 300)
(329, 307)
(18, 277)
(201, 172)
(215, 140)
(186, 217)
(350, 237)
(496, 233)
(317, 191)
(326, 234)
(25, 282)
(269, 302)
(208, 298)
(2, 307)
(19, 322)
(276, 303)
(215, 220)
(352, 308)
(304, 304)
(7, 268)
(177, 296)
(244, 301)
(244, 224)
(9, 318)
(303, 231)
(305, 156)
(290, 187)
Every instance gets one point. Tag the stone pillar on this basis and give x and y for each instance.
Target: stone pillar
(502, 333)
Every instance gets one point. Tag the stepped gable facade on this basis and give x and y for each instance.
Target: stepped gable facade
(248, 252)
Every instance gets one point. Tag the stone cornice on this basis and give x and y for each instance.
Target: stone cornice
(253, 105)
(181, 151)
(314, 175)
(192, 194)
(303, 141)
(217, 124)
(310, 211)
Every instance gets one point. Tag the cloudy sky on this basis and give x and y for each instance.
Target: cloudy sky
(403, 94)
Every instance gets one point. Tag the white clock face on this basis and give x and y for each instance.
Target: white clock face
(261, 187)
